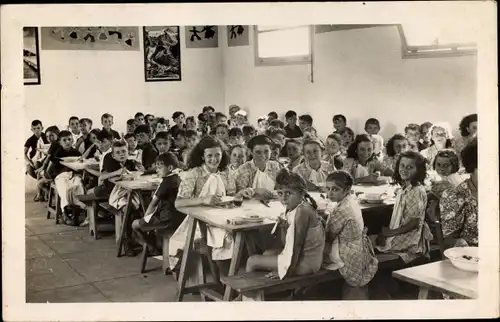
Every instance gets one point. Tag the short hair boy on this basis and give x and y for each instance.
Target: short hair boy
(139, 118)
(291, 128)
(32, 156)
(143, 135)
(339, 123)
(305, 121)
(107, 123)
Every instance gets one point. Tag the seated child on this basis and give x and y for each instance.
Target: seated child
(221, 118)
(257, 177)
(372, 127)
(408, 235)
(347, 246)
(441, 138)
(148, 119)
(445, 172)
(149, 153)
(32, 157)
(139, 119)
(278, 136)
(83, 142)
(180, 144)
(222, 132)
(275, 151)
(134, 153)
(52, 135)
(395, 146)
(107, 123)
(131, 124)
(161, 212)
(262, 125)
(74, 128)
(339, 124)
(292, 130)
(300, 233)
(162, 143)
(237, 157)
(425, 139)
(347, 139)
(179, 120)
(305, 121)
(248, 133)
(412, 133)
(332, 153)
(313, 170)
(271, 116)
(191, 140)
(235, 135)
(191, 123)
(361, 163)
(161, 126)
(93, 151)
(294, 152)
(105, 141)
(277, 124)
(68, 184)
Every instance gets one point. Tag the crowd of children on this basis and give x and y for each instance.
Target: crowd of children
(201, 159)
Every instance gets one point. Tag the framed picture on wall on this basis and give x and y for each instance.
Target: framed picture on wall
(162, 53)
(31, 56)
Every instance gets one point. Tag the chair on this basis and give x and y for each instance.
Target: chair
(165, 234)
(53, 203)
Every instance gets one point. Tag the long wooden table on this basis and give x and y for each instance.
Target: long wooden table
(443, 277)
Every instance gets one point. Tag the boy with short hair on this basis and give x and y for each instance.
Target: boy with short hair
(275, 151)
(191, 123)
(278, 124)
(412, 133)
(161, 212)
(248, 132)
(425, 138)
(272, 116)
(32, 156)
(68, 184)
(220, 118)
(180, 144)
(305, 122)
(161, 126)
(148, 119)
(131, 124)
(104, 143)
(139, 119)
(339, 123)
(107, 123)
(162, 142)
(74, 127)
(236, 136)
(291, 129)
(372, 127)
(134, 153)
(143, 137)
(192, 139)
(83, 142)
(179, 120)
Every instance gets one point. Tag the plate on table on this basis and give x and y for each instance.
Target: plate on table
(464, 258)
(253, 218)
(70, 159)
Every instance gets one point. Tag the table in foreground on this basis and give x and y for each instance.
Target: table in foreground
(440, 276)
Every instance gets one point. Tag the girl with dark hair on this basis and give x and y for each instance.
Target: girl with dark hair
(441, 138)
(293, 149)
(361, 162)
(395, 146)
(459, 206)
(468, 130)
(257, 177)
(346, 239)
(205, 182)
(445, 172)
(313, 170)
(408, 235)
(300, 233)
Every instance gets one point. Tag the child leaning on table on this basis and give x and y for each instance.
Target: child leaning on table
(348, 247)
(300, 232)
(161, 212)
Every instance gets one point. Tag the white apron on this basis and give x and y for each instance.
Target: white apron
(38, 157)
(285, 257)
(262, 180)
(215, 236)
(318, 177)
(361, 171)
(397, 214)
(69, 186)
(118, 198)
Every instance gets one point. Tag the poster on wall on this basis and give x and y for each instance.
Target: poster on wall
(31, 57)
(90, 38)
(162, 53)
(237, 35)
(202, 37)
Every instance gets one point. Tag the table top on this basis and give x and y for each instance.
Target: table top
(80, 165)
(218, 217)
(141, 182)
(442, 276)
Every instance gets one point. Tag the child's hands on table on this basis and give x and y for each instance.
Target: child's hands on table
(213, 200)
(264, 194)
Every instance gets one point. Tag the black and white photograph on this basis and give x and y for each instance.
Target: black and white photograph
(162, 53)
(31, 57)
(335, 164)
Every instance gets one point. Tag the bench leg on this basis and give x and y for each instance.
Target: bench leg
(91, 215)
(166, 263)
(423, 293)
(118, 226)
(124, 224)
(253, 296)
(213, 267)
(49, 201)
(144, 259)
(186, 256)
(58, 209)
(201, 277)
(235, 262)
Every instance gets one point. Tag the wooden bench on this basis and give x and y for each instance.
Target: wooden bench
(165, 235)
(92, 202)
(118, 217)
(53, 203)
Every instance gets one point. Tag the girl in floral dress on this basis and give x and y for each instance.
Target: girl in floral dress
(313, 170)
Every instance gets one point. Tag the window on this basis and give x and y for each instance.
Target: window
(425, 40)
(279, 45)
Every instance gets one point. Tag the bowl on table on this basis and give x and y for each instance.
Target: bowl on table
(373, 197)
(463, 258)
(70, 159)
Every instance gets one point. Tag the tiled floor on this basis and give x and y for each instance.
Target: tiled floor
(64, 264)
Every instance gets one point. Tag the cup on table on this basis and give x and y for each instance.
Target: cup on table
(238, 201)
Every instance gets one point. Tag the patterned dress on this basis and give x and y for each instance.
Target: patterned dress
(356, 170)
(245, 174)
(459, 213)
(194, 179)
(389, 163)
(355, 248)
(317, 177)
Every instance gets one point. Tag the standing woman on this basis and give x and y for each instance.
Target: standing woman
(205, 182)
(468, 131)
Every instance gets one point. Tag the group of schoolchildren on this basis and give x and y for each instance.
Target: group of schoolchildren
(203, 159)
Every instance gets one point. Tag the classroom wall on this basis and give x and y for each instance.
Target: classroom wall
(358, 73)
(89, 83)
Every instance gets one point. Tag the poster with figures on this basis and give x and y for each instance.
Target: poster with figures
(162, 53)
(90, 38)
(202, 37)
(237, 35)
(31, 58)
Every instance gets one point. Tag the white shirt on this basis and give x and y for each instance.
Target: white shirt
(101, 160)
(76, 137)
(136, 155)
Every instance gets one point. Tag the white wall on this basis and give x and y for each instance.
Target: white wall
(358, 73)
(90, 83)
